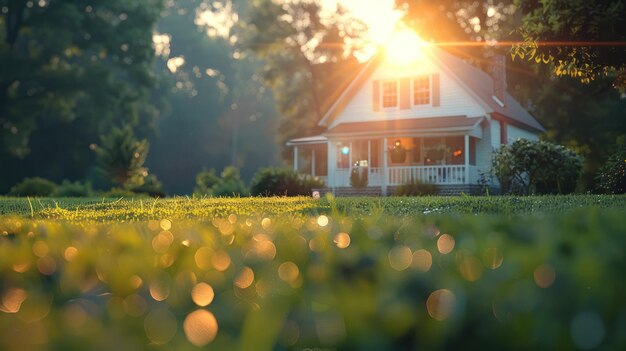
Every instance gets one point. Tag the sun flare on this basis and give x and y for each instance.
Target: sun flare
(404, 47)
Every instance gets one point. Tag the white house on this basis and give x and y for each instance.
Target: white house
(435, 118)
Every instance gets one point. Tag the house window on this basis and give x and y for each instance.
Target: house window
(390, 93)
(421, 90)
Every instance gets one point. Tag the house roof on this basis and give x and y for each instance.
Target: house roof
(433, 124)
(317, 139)
(475, 81)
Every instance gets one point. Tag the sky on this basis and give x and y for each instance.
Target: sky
(380, 16)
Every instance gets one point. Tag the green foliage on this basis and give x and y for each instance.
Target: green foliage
(151, 186)
(305, 65)
(229, 184)
(121, 193)
(93, 70)
(416, 187)
(205, 181)
(390, 287)
(272, 181)
(359, 177)
(611, 178)
(74, 189)
(33, 187)
(536, 166)
(120, 158)
(581, 22)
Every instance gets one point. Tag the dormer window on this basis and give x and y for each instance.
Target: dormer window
(421, 90)
(389, 93)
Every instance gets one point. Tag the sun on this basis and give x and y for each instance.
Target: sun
(404, 47)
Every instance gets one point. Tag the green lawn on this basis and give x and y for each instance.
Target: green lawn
(540, 273)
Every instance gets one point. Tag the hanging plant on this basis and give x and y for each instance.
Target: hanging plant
(398, 153)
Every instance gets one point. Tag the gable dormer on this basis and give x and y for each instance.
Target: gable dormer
(406, 92)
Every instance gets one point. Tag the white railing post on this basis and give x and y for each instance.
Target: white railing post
(385, 168)
(295, 158)
(313, 162)
(467, 175)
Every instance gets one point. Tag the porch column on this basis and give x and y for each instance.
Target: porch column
(350, 158)
(385, 170)
(467, 170)
(332, 164)
(295, 158)
(313, 160)
(369, 159)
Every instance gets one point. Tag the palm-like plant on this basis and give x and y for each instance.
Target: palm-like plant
(121, 158)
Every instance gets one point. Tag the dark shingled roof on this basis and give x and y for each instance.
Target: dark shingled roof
(481, 84)
(454, 123)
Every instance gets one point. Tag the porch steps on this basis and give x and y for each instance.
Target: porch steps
(443, 190)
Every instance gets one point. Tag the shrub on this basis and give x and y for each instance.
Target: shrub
(228, 184)
(283, 182)
(120, 158)
(74, 189)
(151, 186)
(416, 187)
(358, 177)
(121, 192)
(33, 187)
(205, 180)
(611, 178)
(536, 166)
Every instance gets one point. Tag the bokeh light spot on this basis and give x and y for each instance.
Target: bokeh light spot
(288, 271)
(245, 278)
(492, 258)
(470, 268)
(445, 244)
(220, 261)
(441, 304)
(587, 330)
(200, 327)
(70, 253)
(342, 240)
(322, 221)
(400, 258)
(160, 326)
(266, 223)
(202, 294)
(422, 260)
(544, 276)
(203, 258)
(166, 224)
(12, 300)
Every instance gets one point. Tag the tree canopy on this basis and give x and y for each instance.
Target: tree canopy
(94, 67)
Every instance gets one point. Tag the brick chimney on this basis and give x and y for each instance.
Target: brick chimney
(498, 73)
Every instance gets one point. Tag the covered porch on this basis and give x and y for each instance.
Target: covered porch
(393, 155)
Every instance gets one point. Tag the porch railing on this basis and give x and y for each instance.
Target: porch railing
(449, 174)
(428, 174)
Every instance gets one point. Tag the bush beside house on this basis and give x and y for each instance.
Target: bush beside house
(282, 182)
(228, 184)
(612, 176)
(536, 167)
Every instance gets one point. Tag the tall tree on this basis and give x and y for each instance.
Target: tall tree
(68, 71)
(219, 111)
(582, 39)
(307, 59)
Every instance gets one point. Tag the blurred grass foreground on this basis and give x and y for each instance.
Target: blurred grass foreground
(298, 274)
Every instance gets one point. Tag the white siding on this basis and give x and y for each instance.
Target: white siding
(495, 133)
(454, 100)
(484, 149)
(514, 133)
